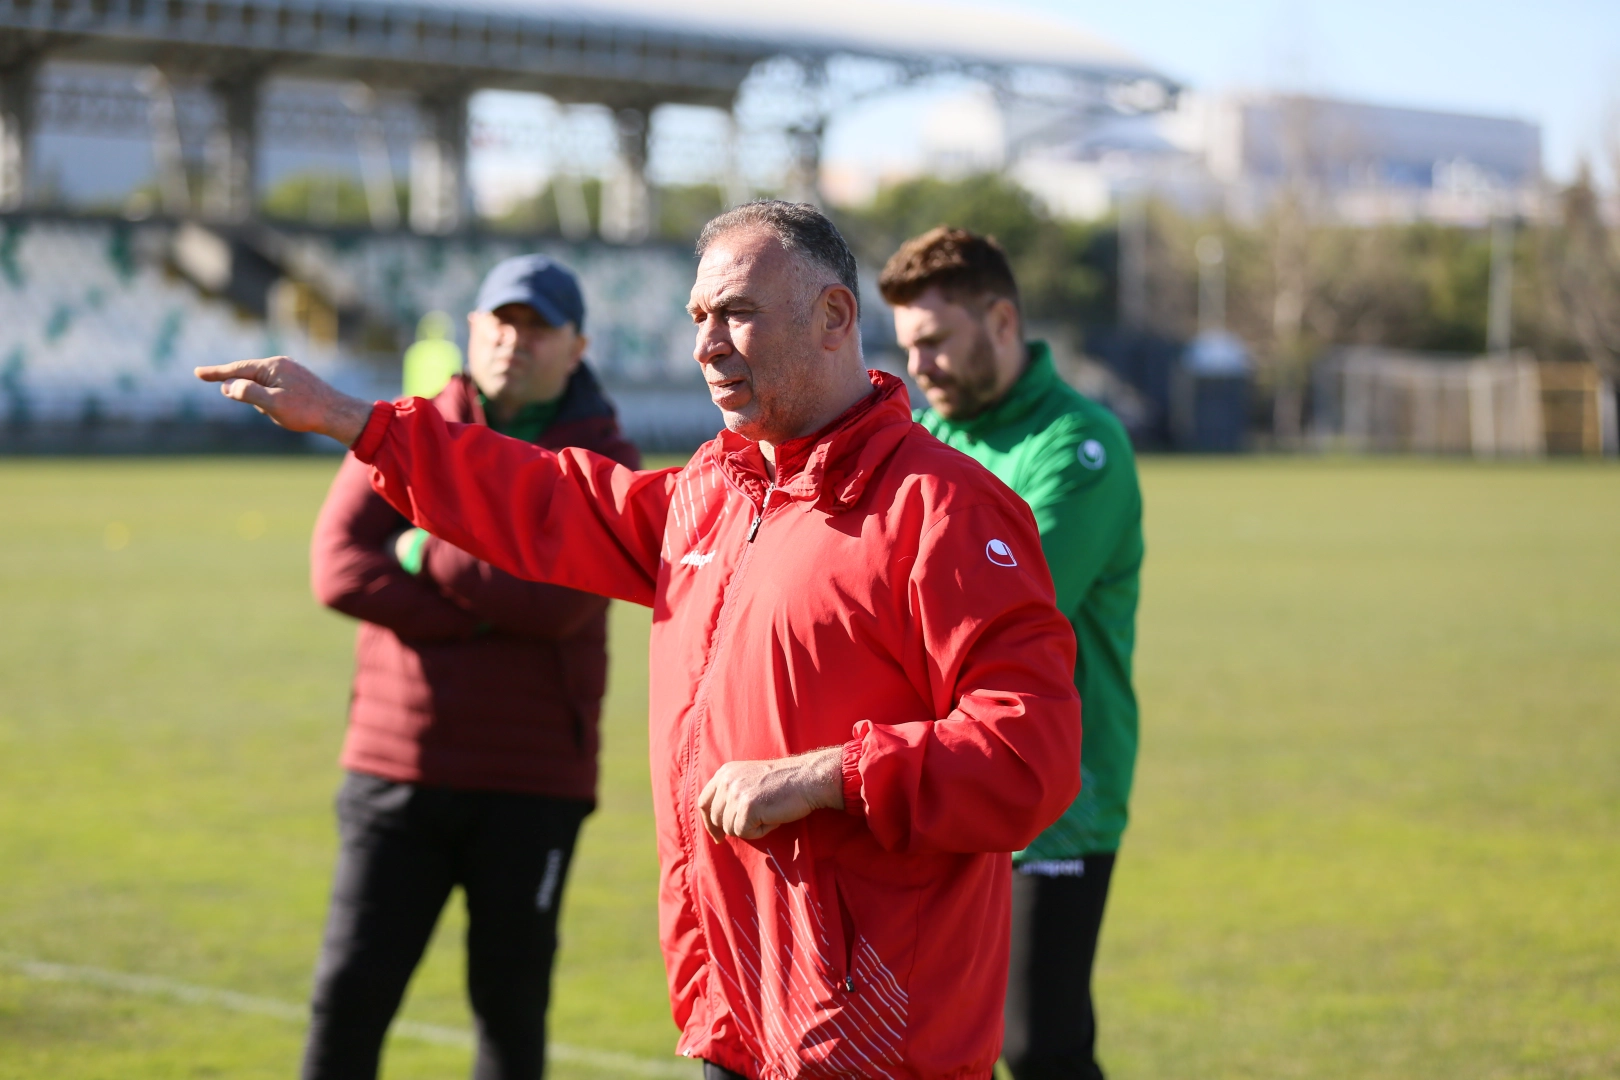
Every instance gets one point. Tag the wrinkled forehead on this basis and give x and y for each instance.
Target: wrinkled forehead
(746, 261)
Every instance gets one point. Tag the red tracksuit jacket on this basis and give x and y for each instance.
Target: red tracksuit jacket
(887, 595)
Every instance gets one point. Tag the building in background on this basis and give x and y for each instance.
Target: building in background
(1356, 163)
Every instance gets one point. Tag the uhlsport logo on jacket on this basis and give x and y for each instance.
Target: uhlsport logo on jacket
(999, 553)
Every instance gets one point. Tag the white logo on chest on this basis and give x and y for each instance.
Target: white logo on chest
(999, 553)
(1091, 454)
(697, 558)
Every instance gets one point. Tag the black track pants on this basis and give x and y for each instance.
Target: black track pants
(1051, 1029)
(404, 848)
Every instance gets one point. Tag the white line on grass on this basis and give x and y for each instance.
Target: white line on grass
(191, 994)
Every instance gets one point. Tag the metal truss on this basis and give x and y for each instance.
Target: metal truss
(420, 47)
(391, 45)
(86, 103)
(416, 64)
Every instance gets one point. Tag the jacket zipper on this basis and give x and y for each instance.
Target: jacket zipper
(764, 505)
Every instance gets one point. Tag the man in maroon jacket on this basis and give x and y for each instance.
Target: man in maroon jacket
(471, 750)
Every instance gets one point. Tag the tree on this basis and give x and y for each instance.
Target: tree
(1578, 278)
(1064, 268)
(321, 198)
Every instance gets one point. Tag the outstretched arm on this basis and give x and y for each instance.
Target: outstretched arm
(575, 518)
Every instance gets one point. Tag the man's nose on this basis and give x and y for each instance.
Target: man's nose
(713, 342)
(920, 362)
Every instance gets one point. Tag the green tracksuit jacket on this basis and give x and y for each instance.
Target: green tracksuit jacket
(1069, 458)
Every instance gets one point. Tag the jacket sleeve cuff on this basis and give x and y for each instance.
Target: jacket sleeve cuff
(853, 801)
(371, 436)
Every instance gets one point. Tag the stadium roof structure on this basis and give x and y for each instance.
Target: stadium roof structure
(617, 52)
(630, 55)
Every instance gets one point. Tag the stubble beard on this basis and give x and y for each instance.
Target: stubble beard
(787, 403)
(793, 396)
(975, 386)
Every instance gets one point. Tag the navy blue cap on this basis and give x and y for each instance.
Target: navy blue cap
(544, 284)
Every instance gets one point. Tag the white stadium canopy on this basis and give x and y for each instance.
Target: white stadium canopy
(975, 34)
(628, 55)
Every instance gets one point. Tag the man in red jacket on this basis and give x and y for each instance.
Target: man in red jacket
(471, 749)
(860, 697)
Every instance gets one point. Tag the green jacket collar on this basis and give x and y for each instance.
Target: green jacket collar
(1026, 394)
(530, 422)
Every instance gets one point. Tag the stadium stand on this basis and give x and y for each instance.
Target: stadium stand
(102, 318)
(635, 299)
(96, 325)
(102, 328)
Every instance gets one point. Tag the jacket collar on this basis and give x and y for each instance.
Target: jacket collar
(831, 466)
(1026, 394)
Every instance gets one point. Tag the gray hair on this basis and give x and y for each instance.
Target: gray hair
(801, 229)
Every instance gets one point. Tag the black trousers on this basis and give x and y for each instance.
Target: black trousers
(1051, 1028)
(404, 848)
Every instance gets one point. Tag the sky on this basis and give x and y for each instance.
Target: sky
(1556, 62)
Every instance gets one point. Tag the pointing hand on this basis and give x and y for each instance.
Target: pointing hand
(289, 394)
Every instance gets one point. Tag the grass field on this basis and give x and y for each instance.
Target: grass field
(1377, 826)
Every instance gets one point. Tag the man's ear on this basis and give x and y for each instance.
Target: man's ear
(839, 310)
(581, 343)
(1006, 327)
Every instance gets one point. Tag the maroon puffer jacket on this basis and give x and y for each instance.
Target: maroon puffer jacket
(466, 676)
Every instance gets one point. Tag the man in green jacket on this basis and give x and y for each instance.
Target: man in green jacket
(999, 400)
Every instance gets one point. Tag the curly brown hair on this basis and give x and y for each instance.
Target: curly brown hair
(963, 265)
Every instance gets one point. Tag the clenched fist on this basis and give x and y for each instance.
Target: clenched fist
(748, 799)
(288, 393)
